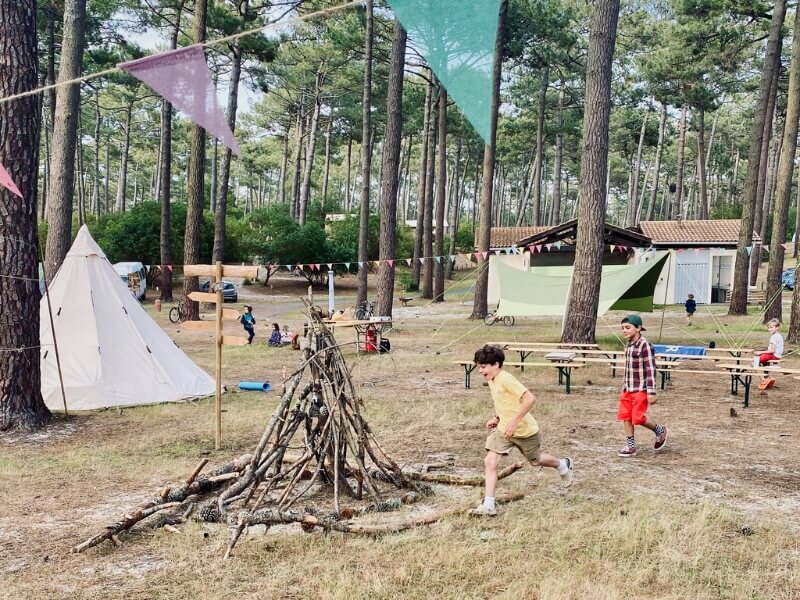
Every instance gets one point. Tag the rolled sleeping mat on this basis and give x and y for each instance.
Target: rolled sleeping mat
(258, 386)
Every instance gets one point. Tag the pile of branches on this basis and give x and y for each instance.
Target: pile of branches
(341, 465)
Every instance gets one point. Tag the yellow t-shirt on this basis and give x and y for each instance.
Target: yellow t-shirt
(507, 394)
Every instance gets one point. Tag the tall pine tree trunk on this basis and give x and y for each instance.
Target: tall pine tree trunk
(773, 309)
(738, 305)
(430, 183)
(311, 147)
(122, 180)
(64, 139)
(558, 154)
(479, 306)
(326, 170)
(195, 189)
(701, 164)
(659, 149)
(298, 151)
(21, 404)
(416, 267)
(584, 298)
(221, 215)
(366, 159)
(391, 162)
(637, 167)
(441, 200)
(677, 206)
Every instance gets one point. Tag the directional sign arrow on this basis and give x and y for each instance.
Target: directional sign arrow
(230, 314)
(203, 297)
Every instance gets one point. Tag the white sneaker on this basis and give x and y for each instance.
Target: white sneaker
(483, 511)
(567, 477)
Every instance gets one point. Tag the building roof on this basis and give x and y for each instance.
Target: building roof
(567, 233)
(679, 233)
(505, 237)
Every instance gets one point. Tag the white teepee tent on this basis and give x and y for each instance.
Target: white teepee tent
(112, 353)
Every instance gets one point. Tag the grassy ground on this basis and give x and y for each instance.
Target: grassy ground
(713, 516)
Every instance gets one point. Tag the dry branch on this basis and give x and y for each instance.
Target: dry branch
(449, 478)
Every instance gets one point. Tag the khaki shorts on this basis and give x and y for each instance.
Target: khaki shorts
(529, 446)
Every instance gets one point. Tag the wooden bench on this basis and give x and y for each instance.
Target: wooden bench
(405, 301)
(552, 345)
(743, 374)
(564, 370)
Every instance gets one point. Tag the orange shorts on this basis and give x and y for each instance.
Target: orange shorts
(632, 407)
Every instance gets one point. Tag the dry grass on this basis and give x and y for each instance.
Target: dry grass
(666, 526)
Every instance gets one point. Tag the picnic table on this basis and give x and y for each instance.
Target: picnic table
(564, 370)
(361, 327)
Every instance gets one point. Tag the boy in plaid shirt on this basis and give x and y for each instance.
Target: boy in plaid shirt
(638, 387)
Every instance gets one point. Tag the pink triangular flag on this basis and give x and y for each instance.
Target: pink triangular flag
(477, 255)
(181, 77)
(785, 247)
(697, 250)
(390, 261)
(7, 182)
(548, 246)
(408, 261)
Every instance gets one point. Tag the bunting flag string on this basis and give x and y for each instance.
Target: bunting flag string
(7, 182)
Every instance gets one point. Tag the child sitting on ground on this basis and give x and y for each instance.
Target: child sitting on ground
(512, 426)
(275, 336)
(774, 352)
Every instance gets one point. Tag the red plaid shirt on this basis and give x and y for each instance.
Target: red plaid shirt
(640, 367)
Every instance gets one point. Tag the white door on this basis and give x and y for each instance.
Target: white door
(692, 278)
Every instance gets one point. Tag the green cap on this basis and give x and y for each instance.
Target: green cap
(634, 320)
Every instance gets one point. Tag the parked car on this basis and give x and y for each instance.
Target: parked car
(788, 278)
(229, 293)
(126, 269)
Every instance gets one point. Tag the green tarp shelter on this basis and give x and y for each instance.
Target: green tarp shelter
(544, 291)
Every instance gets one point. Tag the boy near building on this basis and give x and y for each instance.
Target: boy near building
(638, 387)
(691, 308)
(512, 426)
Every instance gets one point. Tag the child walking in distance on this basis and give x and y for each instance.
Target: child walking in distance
(691, 308)
(248, 322)
(638, 387)
(774, 352)
(511, 427)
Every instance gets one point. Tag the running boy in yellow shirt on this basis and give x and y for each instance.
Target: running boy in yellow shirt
(512, 426)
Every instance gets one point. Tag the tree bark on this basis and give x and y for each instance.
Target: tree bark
(284, 164)
(366, 161)
(441, 200)
(773, 308)
(763, 163)
(298, 152)
(96, 188)
(555, 213)
(738, 305)
(165, 187)
(64, 139)
(479, 306)
(455, 209)
(677, 206)
(348, 169)
(326, 171)
(311, 147)
(701, 163)
(21, 404)
(637, 167)
(537, 164)
(416, 267)
(659, 149)
(221, 214)
(581, 317)
(195, 188)
(122, 181)
(391, 161)
(427, 233)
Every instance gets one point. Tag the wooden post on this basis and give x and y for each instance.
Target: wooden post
(218, 392)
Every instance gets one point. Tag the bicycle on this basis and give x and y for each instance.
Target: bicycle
(177, 313)
(364, 310)
(491, 318)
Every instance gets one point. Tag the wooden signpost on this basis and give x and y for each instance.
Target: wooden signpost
(217, 271)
